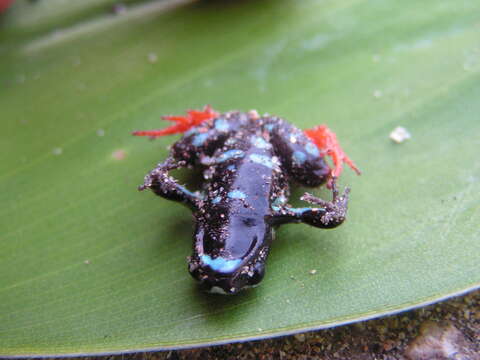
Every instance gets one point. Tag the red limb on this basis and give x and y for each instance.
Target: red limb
(327, 143)
(4, 4)
(183, 123)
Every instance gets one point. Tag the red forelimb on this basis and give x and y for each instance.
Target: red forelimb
(182, 123)
(327, 143)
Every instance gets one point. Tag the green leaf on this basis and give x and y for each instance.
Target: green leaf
(90, 265)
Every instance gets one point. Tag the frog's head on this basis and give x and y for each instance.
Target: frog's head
(230, 257)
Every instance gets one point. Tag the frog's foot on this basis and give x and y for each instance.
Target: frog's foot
(329, 215)
(182, 123)
(335, 211)
(327, 143)
(164, 185)
(159, 174)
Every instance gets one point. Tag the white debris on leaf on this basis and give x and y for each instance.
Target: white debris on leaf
(57, 151)
(152, 58)
(400, 134)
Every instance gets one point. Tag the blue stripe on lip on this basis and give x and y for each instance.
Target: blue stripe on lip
(221, 264)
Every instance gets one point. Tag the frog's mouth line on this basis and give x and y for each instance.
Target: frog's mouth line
(229, 283)
(218, 290)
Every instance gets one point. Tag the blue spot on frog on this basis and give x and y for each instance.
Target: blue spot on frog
(248, 161)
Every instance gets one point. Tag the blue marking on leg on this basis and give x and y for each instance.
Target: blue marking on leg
(189, 193)
(221, 264)
(193, 130)
(231, 141)
(279, 200)
(230, 154)
(269, 127)
(216, 199)
(260, 143)
(312, 149)
(262, 160)
(300, 211)
(222, 125)
(199, 139)
(299, 157)
(237, 194)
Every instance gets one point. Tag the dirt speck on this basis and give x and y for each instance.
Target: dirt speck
(299, 337)
(119, 154)
(119, 9)
(152, 58)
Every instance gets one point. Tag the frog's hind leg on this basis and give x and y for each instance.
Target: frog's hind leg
(329, 215)
(164, 185)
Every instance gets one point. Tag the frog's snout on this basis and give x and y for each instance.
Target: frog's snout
(231, 283)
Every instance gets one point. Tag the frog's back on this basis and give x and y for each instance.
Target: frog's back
(239, 193)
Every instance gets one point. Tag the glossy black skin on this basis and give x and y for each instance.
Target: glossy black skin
(247, 162)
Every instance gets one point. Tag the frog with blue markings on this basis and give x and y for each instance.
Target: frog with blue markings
(248, 162)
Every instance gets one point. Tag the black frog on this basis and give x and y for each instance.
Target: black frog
(248, 162)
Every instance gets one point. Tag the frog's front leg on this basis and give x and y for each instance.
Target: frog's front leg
(329, 215)
(164, 185)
